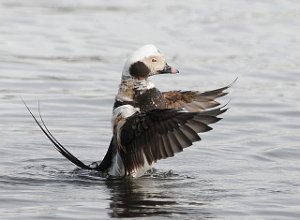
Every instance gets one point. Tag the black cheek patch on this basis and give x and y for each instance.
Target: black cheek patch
(139, 70)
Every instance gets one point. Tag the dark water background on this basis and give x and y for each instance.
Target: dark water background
(69, 55)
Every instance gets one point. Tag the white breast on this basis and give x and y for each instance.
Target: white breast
(123, 111)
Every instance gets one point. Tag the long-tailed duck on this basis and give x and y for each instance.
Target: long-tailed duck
(149, 125)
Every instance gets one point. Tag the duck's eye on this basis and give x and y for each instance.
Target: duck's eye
(154, 60)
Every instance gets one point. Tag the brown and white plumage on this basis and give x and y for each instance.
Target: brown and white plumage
(149, 125)
(194, 101)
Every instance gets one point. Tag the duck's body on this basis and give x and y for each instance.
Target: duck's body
(147, 124)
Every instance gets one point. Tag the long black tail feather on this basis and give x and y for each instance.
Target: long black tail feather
(61, 149)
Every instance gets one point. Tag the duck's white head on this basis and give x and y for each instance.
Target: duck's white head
(144, 62)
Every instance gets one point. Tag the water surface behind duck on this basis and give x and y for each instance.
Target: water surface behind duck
(69, 55)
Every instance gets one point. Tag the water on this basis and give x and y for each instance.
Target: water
(69, 56)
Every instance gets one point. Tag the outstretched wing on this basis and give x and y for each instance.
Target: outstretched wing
(158, 134)
(194, 101)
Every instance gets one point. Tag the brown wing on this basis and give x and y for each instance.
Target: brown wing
(158, 134)
(194, 101)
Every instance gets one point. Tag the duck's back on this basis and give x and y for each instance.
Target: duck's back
(147, 100)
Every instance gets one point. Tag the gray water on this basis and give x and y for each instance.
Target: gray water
(69, 56)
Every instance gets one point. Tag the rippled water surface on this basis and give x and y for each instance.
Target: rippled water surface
(69, 56)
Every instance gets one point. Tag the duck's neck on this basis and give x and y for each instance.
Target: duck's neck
(129, 86)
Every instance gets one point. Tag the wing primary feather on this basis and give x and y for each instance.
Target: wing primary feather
(198, 126)
(163, 153)
(166, 145)
(183, 140)
(174, 143)
(218, 92)
(190, 133)
(147, 149)
(214, 112)
(173, 139)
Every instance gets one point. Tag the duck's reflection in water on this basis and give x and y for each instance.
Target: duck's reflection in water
(148, 197)
(139, 197)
